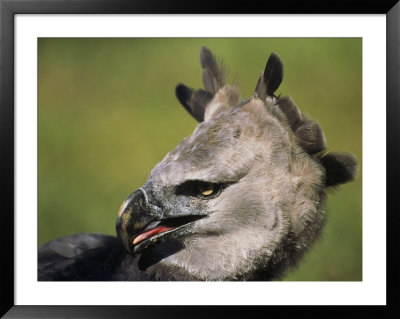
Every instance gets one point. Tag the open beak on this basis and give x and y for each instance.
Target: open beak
(141, 224)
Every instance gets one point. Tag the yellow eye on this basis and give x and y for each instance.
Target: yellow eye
(206, 189)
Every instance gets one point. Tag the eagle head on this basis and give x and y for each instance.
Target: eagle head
(242, 197)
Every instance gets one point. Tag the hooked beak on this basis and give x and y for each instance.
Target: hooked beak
(141, 224)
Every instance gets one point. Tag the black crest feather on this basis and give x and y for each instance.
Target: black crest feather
(291, 111)
(213, 72)
(308, 133)
(273, 73)
(195, 101)
(340, 168)
(310, 136)
(272, 77)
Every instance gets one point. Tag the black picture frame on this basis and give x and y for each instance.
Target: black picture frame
(8, 10)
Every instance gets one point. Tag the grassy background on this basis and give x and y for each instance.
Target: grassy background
(108, 113)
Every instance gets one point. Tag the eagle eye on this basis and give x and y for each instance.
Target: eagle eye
(206, 189)
(200, 189)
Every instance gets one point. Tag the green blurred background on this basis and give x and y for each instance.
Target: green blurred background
(107, 113)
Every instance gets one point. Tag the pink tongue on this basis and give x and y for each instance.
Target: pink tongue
(150, 233)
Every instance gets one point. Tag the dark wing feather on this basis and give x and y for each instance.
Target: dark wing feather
(79, 257)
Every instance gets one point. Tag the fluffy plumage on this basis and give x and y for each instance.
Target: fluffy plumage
(240, 199)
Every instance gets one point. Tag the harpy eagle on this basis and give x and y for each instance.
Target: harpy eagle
(240, 199)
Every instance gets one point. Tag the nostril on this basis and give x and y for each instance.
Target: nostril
(146, 203)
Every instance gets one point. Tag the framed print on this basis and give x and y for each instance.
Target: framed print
(90, 105)
(86, 141)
